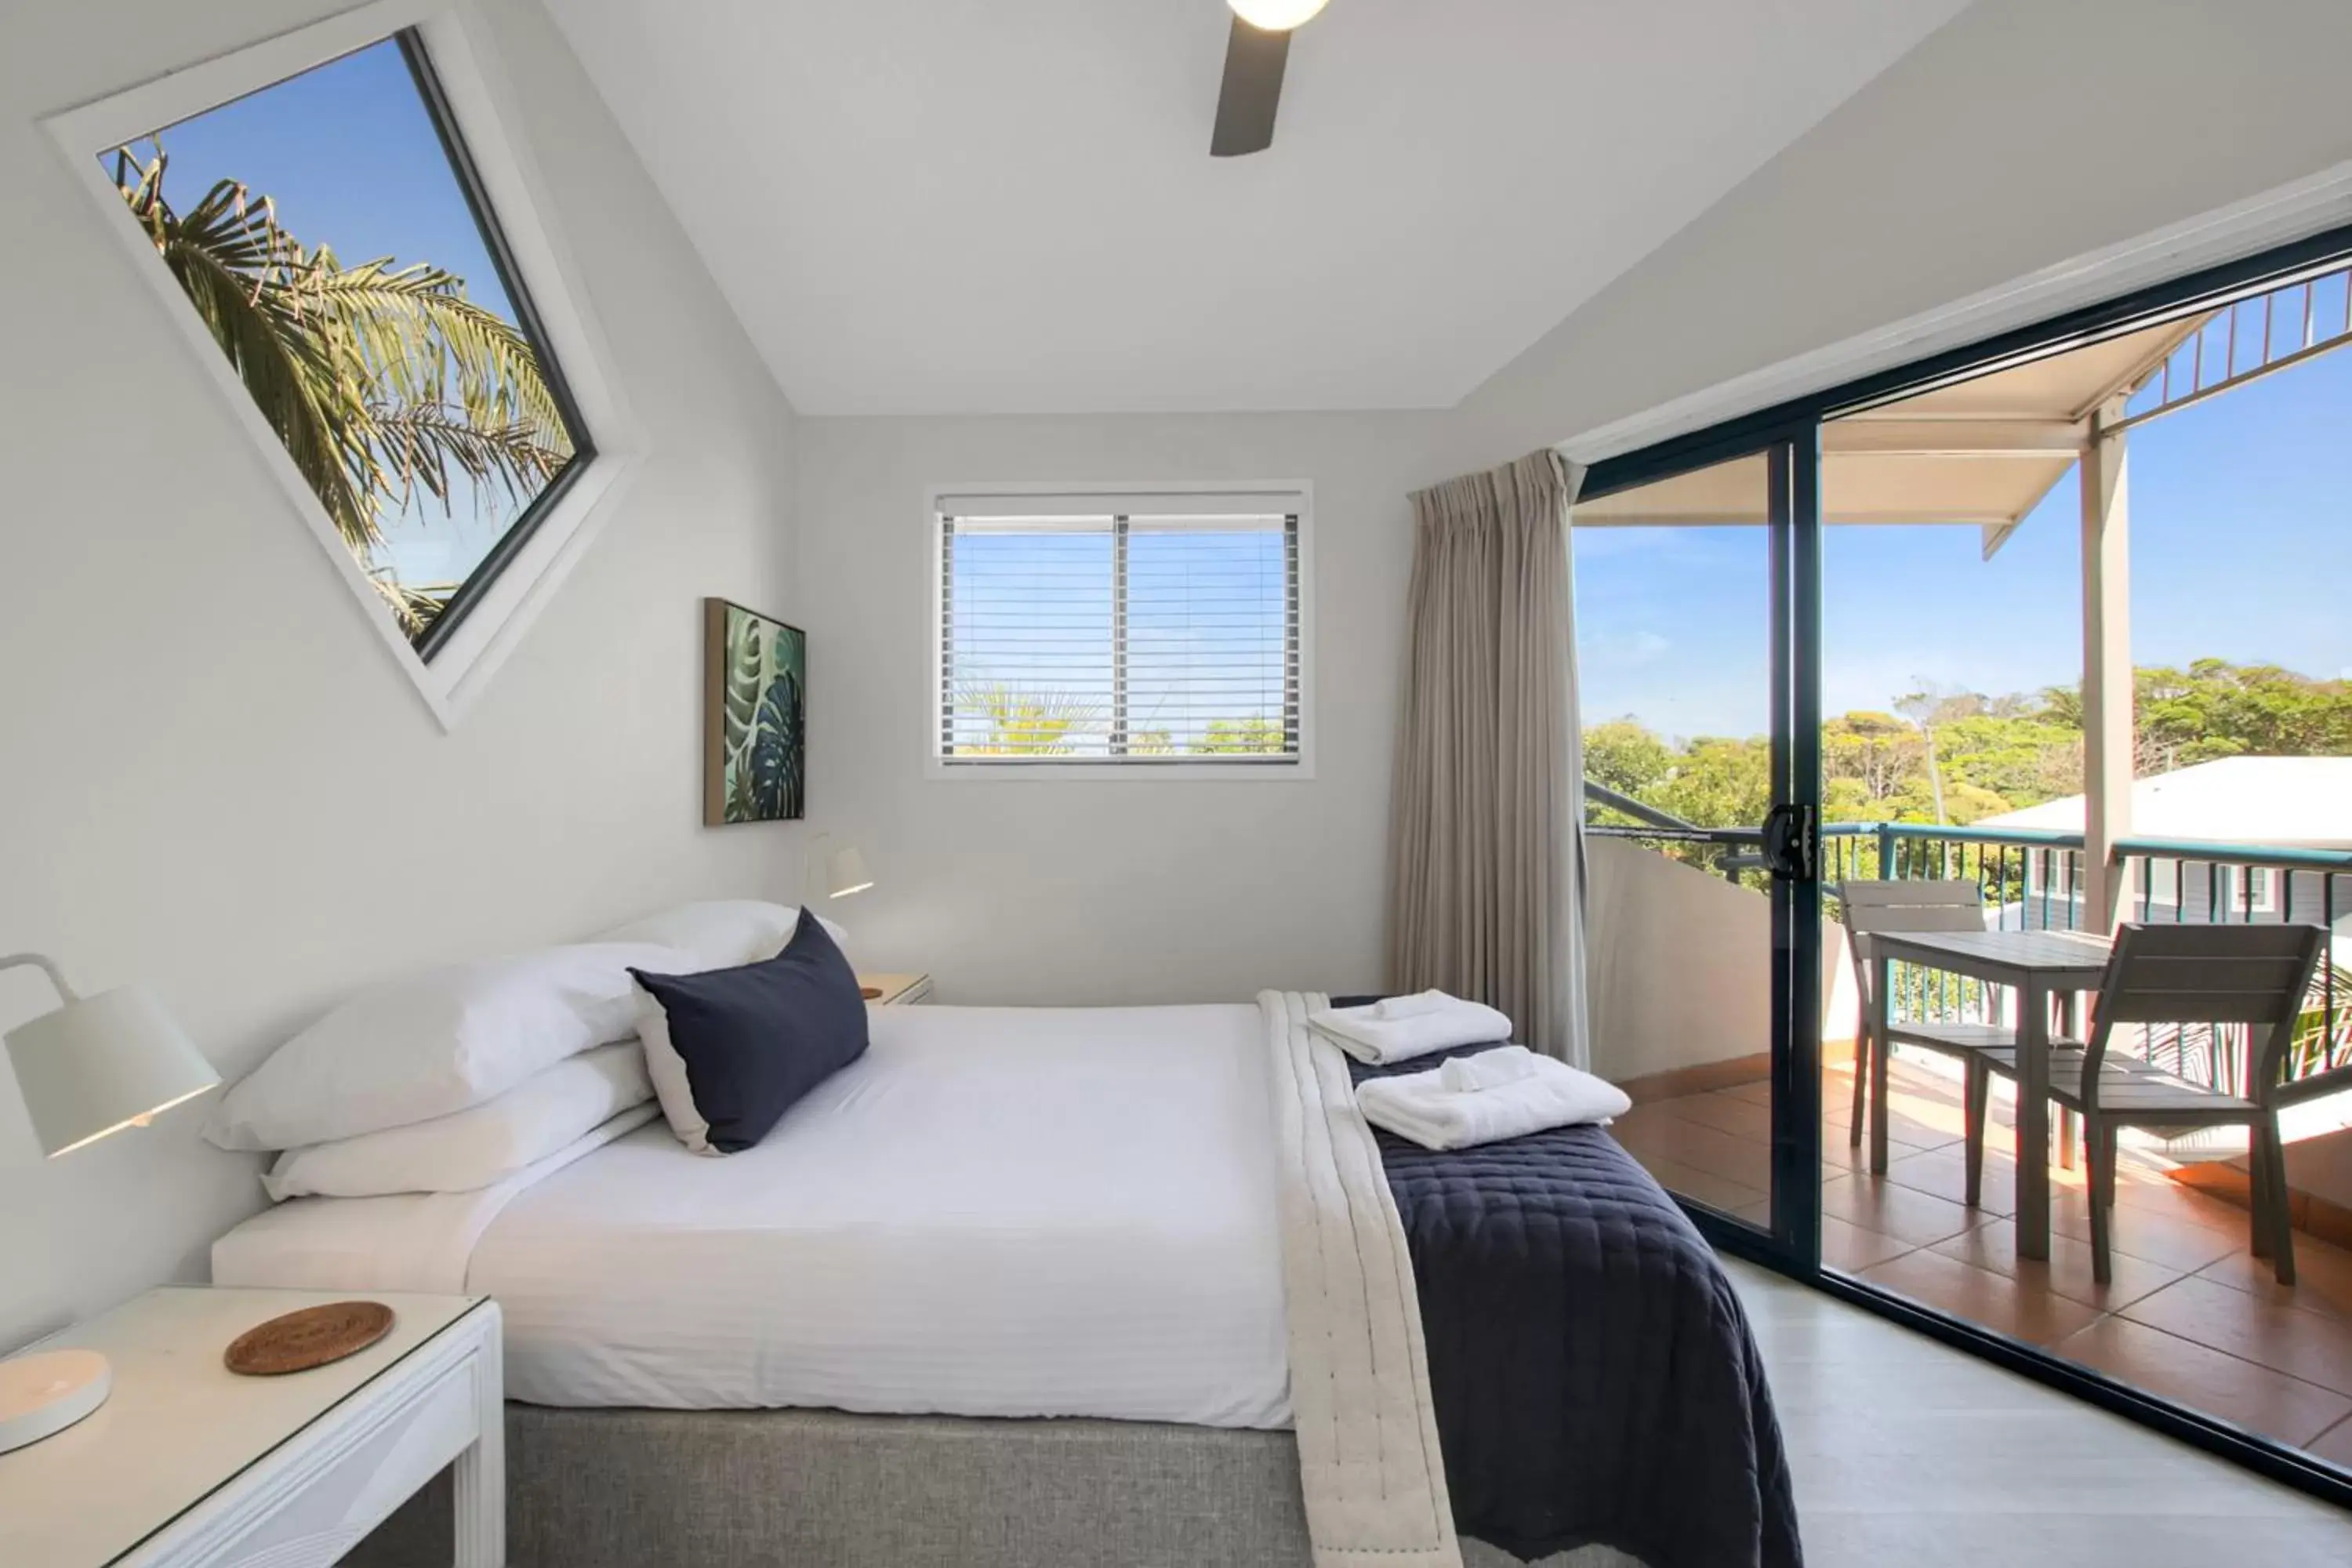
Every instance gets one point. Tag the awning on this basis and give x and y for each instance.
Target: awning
(1981, 453)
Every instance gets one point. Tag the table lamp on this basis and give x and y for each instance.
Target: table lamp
(94, 1066)
(846, 873)
(844, 868)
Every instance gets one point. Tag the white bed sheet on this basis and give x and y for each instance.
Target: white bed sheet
(994, 1212)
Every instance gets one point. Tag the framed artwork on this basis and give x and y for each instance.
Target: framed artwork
(755, 737)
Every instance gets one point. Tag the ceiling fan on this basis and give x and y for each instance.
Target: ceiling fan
(1254, 61)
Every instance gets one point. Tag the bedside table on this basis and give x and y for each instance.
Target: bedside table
(897, 990)
(188, 1464)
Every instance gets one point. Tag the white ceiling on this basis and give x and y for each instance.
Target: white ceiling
(1009, 206)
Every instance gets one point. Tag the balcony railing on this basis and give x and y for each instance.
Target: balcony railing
(2032, 879)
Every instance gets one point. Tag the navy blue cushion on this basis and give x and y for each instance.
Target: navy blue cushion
(755, 1039)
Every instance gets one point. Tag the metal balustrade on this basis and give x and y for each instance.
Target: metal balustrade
(2032, 880)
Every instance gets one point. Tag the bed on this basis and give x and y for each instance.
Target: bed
(1043, 1286)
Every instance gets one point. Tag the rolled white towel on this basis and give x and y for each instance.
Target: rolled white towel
(1371, 1038)
(1388, 1009)
(1488, 1069)
(1420, 1107)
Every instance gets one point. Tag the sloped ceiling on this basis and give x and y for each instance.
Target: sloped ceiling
(1008, 206)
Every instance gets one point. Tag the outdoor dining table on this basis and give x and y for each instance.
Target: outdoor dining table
(2039, 966)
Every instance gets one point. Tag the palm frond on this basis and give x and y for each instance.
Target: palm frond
(418, 446)
(381, 382)
(414, 328)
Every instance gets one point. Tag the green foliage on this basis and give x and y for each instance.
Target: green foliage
(1627, 758)
(382, 383)
(1253, 737)
(763, 718)
(2214, 709)
(1024, 723)
(1995, 753)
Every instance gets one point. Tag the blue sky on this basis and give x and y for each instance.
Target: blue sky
(2241, 541)
(349, 156)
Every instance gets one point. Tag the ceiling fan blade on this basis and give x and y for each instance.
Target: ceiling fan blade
(1245, 105)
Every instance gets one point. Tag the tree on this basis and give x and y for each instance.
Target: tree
(1024, 723)
(1921, 708)
(1623, 756)
(380, 383)
(1996, 754)
(2214, 709)
(1243, 737)
(1874, 750)
(1720, 782)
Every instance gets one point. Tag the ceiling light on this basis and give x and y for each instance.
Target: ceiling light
(1275, 15)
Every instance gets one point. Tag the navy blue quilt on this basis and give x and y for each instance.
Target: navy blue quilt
(1592, 1371)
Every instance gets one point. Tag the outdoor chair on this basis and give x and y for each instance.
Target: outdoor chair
(1874, 907)
(2257, 977)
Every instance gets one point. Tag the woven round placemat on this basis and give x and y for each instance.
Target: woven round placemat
(311, 1337)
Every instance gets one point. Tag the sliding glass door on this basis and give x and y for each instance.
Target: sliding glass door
(2036, 709)
(1695, 589)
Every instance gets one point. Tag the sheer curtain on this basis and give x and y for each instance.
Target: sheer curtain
(1487, 842)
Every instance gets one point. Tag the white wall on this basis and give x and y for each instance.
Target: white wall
(2023, 134)
(1679, 965)
(213, 776)
(1126, 889)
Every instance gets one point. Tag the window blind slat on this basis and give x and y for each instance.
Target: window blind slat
(1119, 628)
(1152, 510)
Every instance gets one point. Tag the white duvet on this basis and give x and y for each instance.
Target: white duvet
(994, 1212)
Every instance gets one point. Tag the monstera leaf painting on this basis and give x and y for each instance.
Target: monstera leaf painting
(755, 712)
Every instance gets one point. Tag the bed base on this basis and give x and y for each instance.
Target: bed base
(822, 1488)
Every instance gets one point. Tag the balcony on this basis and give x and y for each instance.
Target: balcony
(2189, 1314)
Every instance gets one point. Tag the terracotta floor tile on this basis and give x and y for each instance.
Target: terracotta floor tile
(2159, 1238)
(1900, 1211)
(1852, 1248)
(2067, 1271)
(2286, 1408)
(1911, 1130)
(1843, 1158)
(1759, 1092)
(1658, 1132)
(2286, 1339)
(1726, 1113)
(1944, 1173)
(2322, 1278)
(1704, 1186)
(2151, 1192)
(2335, 1444)
(1981, 1297)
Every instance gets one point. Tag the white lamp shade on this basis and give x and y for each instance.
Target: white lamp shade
(100, 1063)
(846, 873)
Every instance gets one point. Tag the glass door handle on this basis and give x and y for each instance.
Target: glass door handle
(1789, 841)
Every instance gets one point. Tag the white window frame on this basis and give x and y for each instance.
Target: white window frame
(1109, 769)
(481, 100)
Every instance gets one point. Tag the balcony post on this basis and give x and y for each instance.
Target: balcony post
(2107, 731)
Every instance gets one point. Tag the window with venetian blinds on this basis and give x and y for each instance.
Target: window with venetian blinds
(1130, 630)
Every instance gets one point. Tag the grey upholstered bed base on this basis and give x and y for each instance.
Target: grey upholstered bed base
(820, 1489)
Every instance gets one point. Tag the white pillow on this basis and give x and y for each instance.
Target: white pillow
(474, 1147)
(666, 1070)
(722, 932)
(438, 1043)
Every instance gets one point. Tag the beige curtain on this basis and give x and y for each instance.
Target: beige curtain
(1487, 844)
